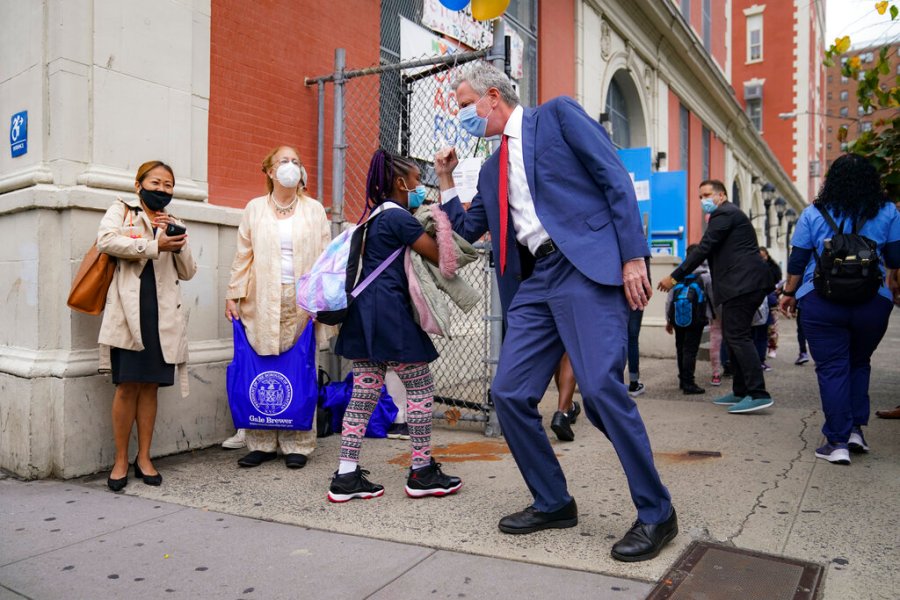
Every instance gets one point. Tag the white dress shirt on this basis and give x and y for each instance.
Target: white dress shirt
(529, 231)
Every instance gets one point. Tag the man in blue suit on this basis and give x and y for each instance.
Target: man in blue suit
(570, 252)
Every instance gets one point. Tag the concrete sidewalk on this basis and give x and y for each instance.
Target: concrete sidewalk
(766, 492)
(67, 540)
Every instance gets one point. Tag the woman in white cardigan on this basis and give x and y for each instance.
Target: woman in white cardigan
(280, 237)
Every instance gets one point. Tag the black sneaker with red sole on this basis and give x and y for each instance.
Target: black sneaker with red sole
(353, 485)
(431, 481)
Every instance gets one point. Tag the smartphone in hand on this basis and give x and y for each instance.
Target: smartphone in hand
(172, 230)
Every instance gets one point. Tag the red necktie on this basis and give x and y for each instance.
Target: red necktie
(502, 198)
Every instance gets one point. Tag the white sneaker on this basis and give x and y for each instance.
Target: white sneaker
(236, 441)
(771, 353)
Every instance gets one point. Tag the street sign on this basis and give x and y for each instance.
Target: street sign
(18, 133)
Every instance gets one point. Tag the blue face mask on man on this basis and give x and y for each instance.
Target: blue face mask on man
(415, 197)
(708, 205)
(471, 121)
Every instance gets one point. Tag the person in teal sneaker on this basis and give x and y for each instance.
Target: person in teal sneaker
(740, 280)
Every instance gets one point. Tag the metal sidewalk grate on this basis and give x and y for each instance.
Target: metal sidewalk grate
(714, 572)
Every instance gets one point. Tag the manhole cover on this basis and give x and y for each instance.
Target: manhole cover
(712, 572)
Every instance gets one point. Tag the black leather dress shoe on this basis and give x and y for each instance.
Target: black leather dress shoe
(295, 461)
(692, 388)
(256, 458)
(644, 541)
(561, 427)
(573, 413)
(531, 519)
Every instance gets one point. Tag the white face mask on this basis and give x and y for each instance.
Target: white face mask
(288, 175)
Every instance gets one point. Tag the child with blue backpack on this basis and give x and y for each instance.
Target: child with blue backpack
(380, 332)
(688, 310)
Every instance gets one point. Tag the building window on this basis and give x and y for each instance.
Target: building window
(686, 10)
(829, 145)
(844, 146)
(707, 25)
(844, 79)
(754, 38)
(829, 95)
(753, 99)
(684, 138)
(866, 57)
(830, 129)
(705, 140)
(830, 78)
(865, 126)
(844, 95)
(844, 111)
(860, 111)
(617, 108)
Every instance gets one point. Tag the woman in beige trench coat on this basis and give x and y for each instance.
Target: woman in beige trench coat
(142, 336)
(280, 237)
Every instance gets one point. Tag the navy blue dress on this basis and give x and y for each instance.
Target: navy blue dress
(379, 324)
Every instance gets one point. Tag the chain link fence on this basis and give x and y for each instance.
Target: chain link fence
(409, 108)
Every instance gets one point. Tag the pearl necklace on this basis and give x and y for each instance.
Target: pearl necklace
(281, 209)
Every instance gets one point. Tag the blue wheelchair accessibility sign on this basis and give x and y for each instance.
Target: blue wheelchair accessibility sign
(18, 133)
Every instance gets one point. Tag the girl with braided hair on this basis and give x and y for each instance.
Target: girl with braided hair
(380, 332)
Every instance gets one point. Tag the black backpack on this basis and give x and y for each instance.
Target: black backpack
(688, 305)
(848, 270)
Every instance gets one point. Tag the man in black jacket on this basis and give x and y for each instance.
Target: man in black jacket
(740, 280)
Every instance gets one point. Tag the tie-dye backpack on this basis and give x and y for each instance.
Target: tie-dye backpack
(329, 288)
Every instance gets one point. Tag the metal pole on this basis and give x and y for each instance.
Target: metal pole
(337, 174)
(495, 318)
(320, 149)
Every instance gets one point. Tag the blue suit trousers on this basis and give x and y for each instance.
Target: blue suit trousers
(558, 309)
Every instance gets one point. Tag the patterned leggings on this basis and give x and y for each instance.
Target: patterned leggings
(368, 377)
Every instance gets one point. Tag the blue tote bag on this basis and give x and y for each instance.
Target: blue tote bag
(273, 392)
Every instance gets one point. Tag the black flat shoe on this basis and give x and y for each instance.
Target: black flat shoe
(561, 427)
(531, 519)
(573, 414)
(295, 461)
(692, 388)
(148, 479)
(644, 541)
(117, 485)
(256, 458)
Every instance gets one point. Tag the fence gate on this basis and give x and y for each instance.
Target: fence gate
(409, 108)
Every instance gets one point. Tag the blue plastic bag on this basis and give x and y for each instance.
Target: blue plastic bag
(273, 392)
(336, 397)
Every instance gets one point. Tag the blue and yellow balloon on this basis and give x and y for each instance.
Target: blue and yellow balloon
(485, 10)
(455, 4)
(482, 10)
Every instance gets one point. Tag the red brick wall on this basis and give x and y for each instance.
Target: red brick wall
(695, 176)
(556, 54)
(776, 69)
(259, 54)
(674, 152)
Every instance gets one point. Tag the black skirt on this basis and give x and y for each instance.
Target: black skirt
(147, 365)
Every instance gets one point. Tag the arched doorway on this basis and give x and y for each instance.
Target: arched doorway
(625, 110)
(736, 193)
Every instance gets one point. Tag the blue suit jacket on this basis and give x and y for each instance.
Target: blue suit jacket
(582, 194)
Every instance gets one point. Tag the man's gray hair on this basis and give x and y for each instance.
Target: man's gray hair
(482, 76)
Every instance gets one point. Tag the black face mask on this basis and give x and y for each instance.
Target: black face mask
(154, 200)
